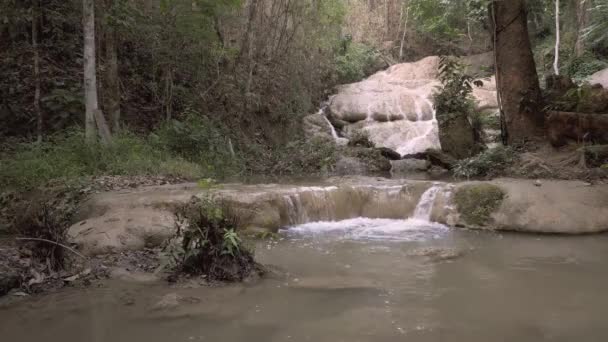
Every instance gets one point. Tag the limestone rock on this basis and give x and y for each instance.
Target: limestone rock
(600, 77)
(394, 107)
(351, 166)
(407, 166)
(317, 125)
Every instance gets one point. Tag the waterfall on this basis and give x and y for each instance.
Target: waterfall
(334, 134)
(425, 205)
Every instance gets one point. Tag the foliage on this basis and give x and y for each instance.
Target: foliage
(198, 140)
(300, 156)
(454, 97)
(207, 243)
(355, 63)
(488, 163)
(476, 203)
(42, 223)
(360, 139)
(579, 68)
(66, 157)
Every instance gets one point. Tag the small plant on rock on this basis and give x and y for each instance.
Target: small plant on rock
(207, 242)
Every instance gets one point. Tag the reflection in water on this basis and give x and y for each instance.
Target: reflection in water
(502, 287)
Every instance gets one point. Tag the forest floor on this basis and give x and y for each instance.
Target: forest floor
(546, 162)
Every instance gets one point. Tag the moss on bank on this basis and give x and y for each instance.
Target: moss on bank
(476, 203)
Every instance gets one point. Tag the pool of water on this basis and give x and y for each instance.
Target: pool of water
(358, 280)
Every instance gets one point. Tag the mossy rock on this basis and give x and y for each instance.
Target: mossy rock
(476, 203)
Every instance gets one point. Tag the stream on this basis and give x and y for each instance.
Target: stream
(356, 280)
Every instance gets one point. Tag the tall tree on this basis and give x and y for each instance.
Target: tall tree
(583, 15)
(112, 77)
(37, 109)
(557, 39)
(516, 77)
(90, 74)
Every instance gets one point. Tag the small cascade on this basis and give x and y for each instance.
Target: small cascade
(425, 205)
(334, 134)
(322, 111)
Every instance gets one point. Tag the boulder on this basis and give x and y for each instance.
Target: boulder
(394, 107)
(600, 77)
(408, 166)
(317, 125)
(555, 207)
(351, 166)
(389, 154)
(567, 207)
(457, 136)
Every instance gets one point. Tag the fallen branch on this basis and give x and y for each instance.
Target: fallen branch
(54, 243)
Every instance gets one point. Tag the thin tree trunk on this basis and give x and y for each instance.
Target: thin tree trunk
(90, 75)
(557, 39)
(516, 76)
(39, 118)
(112, 77)
(582, 21)
(407, 17)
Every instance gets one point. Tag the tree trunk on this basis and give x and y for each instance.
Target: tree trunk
(557, 39)
(90, 75)
(112, 77)
(582, 22)
(35, 20)
(517, 81)
(401, 46)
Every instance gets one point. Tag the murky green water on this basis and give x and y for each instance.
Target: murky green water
(431, 285)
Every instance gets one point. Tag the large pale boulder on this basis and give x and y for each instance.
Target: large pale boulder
(118, 221)
(394, 107)
(600, 77)
(554, 207)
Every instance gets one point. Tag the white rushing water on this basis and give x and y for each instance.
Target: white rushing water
(417, 228)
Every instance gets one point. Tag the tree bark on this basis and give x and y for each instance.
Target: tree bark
(90, 75)
(37, 109)
(517, 80)
(557, 39)
(582, 22)
(112, 77)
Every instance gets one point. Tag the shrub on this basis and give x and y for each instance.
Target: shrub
(300, 156)
(197, 140)
(355, 63)
(579, 68)
(486, 164)
(360, 139)
(208, 243)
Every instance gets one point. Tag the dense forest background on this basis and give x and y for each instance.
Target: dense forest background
(215, 87)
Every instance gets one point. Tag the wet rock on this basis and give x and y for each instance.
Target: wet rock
(132, 276)
(9, 279)
(351, 166)
(389, 154)
(168, 301)
(407, 166)
(317, 126)
(439, 158)
(438, 254)
(394, 107)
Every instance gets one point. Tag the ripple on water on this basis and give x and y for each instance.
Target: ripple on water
(362, 229)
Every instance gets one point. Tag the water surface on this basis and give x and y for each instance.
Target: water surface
(359, 280)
